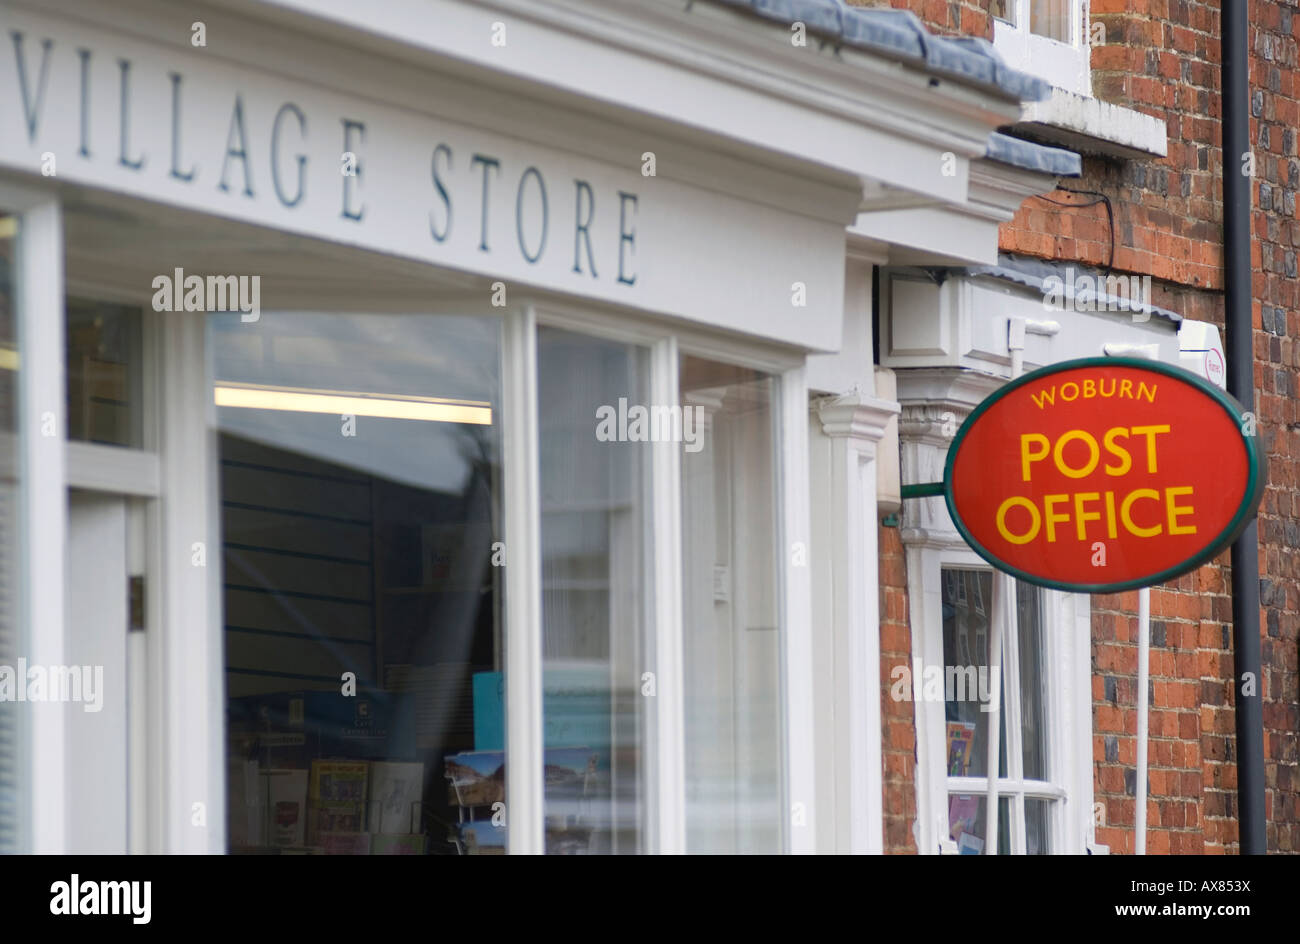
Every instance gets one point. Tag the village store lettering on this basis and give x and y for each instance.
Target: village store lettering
(463, 184)
(1103, 474)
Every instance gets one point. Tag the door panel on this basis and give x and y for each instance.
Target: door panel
(97, 636)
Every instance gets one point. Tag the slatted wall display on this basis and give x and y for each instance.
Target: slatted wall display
(11, 759)
(299, 571)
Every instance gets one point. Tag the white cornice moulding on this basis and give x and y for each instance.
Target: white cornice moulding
(927, 232)
(997, 190)
(856, 416)
(711, 71)
(954, 388)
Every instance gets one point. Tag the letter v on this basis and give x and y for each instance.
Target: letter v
(32, 110)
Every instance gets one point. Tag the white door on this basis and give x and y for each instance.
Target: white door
(97, 644)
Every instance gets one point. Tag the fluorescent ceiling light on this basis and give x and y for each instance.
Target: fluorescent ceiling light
(343, 403)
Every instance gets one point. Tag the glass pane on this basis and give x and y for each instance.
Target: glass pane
(1004, 10)
(1051, 18)
(12, 800)
(966, 823)
(1038, 833)
(966, 685)
(595, 558)
(361, 511)
(104, 373)
(731, 624)
(1033, 729)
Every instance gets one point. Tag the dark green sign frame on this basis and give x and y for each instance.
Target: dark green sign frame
(1245, 512)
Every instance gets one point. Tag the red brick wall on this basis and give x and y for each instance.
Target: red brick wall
(898, 734)
(1162, 57)
(946, 17)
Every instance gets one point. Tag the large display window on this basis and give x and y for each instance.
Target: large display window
(360, 470)
(363, 461)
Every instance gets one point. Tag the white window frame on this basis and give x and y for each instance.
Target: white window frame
(1066, 65)
(666, 732)
(42, 507)
(186, 732)
(1066, 627)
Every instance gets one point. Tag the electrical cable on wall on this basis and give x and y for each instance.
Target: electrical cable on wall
(1100, 198)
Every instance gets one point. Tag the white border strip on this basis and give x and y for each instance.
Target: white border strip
(42, 396)
(524, 740)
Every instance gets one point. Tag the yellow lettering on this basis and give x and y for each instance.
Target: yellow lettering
(1069, 383)
(1089, 389)
(1081, 517)
(1044, 396)
(1126, 389)
(1049, 503)
(1026, 457)
(1174, 510)
(1110, 515)
(1125, 459)
(1012, 502)
(1150, 432)
(1058, 453)
(1126, 516)
(1150, 394)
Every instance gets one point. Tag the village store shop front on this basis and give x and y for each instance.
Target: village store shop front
(429, 473)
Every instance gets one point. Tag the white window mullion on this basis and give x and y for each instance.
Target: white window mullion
(523, 662)
(185, 656)
(796, 601)
(1015, 735)
(925, 608)
(43, 516)
(667, 734)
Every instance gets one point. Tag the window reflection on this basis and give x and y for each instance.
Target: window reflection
(967, 682)
(11, 641)
(104, 366)
(731, 624)
(595, 504)
(363, 610)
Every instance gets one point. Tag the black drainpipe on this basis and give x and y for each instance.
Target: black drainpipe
(1237, 188)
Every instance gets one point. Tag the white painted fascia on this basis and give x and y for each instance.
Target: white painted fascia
(956, 234)
(712, 70)
(962, 321)
(997, 190)
(1090, 125)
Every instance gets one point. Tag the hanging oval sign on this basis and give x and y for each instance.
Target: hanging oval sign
(1104, 474)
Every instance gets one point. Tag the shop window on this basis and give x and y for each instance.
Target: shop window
(595, 526)
(360, 477)
(104, 373)
(1028, 794)
(731, 626)
(1047, 38)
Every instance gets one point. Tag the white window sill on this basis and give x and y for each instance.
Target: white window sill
(1092, 126)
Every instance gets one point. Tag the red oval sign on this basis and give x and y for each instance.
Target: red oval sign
(1104, 474)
